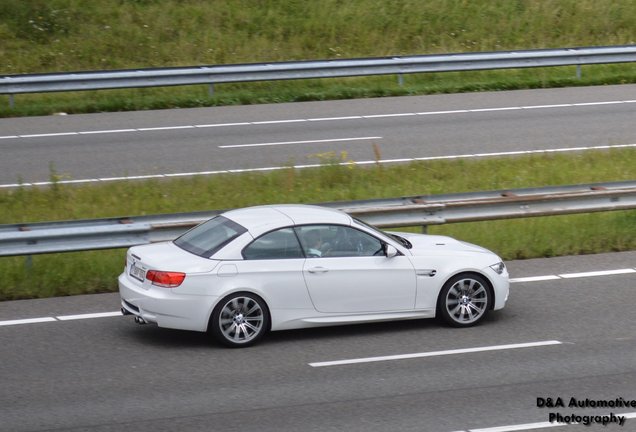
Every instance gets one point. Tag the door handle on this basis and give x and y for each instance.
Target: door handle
(318, 270)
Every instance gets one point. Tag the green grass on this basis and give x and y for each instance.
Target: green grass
(88, 272)
(71, 35)
(65, 35)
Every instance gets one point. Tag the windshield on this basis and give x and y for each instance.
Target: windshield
(208, 238)
(404, 242)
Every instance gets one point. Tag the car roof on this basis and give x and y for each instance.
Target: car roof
(261, 219)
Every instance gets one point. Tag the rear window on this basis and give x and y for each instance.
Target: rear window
(208, 238)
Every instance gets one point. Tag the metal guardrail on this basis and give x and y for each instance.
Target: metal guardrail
(111, 233)
(160, 77)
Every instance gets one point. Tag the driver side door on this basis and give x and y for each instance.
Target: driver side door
(353, 274)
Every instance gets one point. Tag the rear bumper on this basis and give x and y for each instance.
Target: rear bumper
(164, 308)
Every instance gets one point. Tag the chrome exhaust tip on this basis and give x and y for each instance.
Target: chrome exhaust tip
(140, 320)
(124, 311)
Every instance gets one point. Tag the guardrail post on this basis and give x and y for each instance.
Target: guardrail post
(29, 262)
(578, 71)
(211, 89)
(424, 229)
(400, 80)
(11, 101)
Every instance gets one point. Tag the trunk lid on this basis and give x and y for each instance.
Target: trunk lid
(163, 257)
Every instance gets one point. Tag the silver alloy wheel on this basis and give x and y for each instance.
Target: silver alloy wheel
(466, 301)
(241, 320)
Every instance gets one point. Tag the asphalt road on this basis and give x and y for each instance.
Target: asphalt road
(96, 146)
(110, 374)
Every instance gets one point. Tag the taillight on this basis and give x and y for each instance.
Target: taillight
(165, 279)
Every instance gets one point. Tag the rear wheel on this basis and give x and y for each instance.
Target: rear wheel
(239, 320)
(464, 300)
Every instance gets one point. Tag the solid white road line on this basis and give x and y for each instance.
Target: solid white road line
(539, 425)
(354, 117)
(48, 135)
(597, 273)
(534, 279)
(442, 112)
(60, 318)
(108, 131)
(27, 321)
(223, 125)
(335, 118)
(278, 121)
(433, 353)
(298, 142)
(495, 109)
(164, 128)
(519, 427)
(88, 316)
(388, 115)
(598, 103)
(547, 106)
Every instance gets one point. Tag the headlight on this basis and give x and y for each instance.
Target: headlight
(499, 267)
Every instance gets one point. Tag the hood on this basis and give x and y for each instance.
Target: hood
(424, 244)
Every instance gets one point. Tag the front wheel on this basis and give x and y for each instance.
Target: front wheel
(464, 300)
(239, 320)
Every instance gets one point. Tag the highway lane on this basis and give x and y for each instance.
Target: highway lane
(109, 374)
(226, 138)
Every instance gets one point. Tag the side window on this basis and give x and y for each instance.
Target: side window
(337, 241)
(274, 245)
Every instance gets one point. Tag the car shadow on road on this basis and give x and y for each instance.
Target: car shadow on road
(388, 329)
(152, 335)
(181, 339)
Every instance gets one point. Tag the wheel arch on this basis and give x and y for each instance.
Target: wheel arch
(236, 292)
(489, 286)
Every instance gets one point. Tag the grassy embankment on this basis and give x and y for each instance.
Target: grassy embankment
(90, 272)
(70, 35)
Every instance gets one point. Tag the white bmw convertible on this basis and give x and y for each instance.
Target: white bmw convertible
(278, 267)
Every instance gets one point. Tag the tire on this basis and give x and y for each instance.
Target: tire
(239, 320)
(464, 300)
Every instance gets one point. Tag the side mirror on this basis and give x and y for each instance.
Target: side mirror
(390, 251)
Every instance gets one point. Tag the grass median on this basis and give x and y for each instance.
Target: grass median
(44, 36)
(97, 271)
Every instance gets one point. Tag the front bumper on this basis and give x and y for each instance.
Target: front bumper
(501, 286)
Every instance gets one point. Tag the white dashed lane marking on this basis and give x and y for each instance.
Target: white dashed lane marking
(300, 142)
(434, 353)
